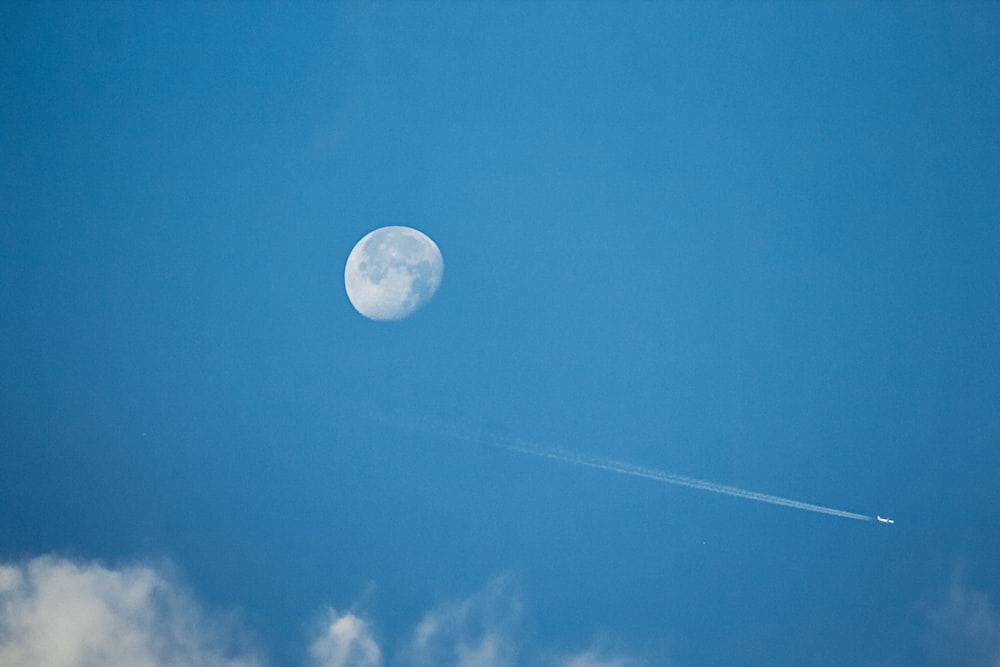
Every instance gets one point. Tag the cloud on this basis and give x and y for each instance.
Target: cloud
(482, 630)
(58, 613)
(474, 632)
(346, 641)
(964, 627)
(594, 658)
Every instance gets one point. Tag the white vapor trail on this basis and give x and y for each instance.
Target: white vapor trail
(671, 478)
(578, 459)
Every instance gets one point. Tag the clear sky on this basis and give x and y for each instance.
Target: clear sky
(751, 243)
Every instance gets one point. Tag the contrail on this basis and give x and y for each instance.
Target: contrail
(578, 459)
(611, 465)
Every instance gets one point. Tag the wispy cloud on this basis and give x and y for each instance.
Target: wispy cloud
(964, 627)
(58, 613)
(594, 658)
(483, 630)
(61, 613)
(346, 641)
(475, 632)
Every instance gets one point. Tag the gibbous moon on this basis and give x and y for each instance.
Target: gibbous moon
(392, 272)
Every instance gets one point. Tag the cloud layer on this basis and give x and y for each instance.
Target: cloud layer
(58, 613)
(480, 630)
(62, 613)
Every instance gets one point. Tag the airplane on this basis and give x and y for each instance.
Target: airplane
(884, 520)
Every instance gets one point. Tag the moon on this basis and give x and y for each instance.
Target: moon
(392, 272)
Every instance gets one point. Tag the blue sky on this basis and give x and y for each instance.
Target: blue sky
(750, 243)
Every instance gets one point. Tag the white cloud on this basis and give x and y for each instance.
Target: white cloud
(482, 631)
(593, 658)
(347, 641)
(55, 612)
(58, 613)
(475, 632)
(964, 627)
